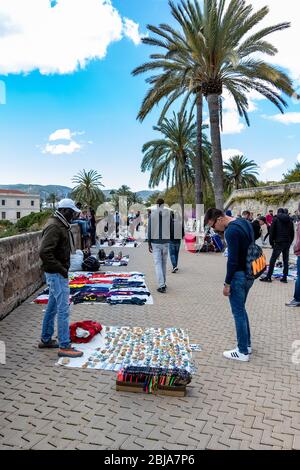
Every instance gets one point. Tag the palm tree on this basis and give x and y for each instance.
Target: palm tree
(88, 190)
(52, 199)
(172, 157)
(240, 173)
(214, 50)
(177, 79)
(124, 190)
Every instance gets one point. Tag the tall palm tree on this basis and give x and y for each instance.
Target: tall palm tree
(240, 173)
(172, 157)
(87, 189)
(176, 80)
(214, 50)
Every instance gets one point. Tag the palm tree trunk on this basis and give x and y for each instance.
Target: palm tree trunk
(217, 161)
(199, 156)
(181, 196)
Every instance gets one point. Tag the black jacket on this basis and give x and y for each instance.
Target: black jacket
(161, 225)
(257, 229)
(282, 229)
(55, 248)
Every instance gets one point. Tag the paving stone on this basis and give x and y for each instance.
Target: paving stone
(228, 405)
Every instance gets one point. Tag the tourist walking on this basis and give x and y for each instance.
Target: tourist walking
(296, 300)
(269, 219)
(257, 225)
(281, 237)
(175, 242)
(239, 236)
(56, 247)
(160, 232)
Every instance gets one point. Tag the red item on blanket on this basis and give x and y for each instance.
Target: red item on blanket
(91, 326)
(40, 301)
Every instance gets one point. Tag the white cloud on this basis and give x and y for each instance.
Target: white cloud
(61, 38)
(271, 164)
(63, 148)
(131, 30)
(288, 118)
(59, 149)
(232, 123)
(298, 158)
(228, 153)
(64, 134)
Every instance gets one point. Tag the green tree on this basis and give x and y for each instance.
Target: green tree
(151, 201)
(292, 176)
(124, 190)
(52, 199)
(240, 173)
(87, 189)
(215, 49)
(170, 158)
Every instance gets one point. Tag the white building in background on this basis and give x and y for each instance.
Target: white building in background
(16, 204)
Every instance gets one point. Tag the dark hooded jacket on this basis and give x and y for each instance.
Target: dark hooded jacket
(55, 248)
(282, 229)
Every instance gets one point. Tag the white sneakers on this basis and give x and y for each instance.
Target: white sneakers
(236, 355)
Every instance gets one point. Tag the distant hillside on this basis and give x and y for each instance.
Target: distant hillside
(60, 191)
(43, 191)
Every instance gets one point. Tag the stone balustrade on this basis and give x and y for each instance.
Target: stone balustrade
(20, 268)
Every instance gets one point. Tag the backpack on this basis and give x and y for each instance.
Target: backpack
(91, 264)
(256, 262)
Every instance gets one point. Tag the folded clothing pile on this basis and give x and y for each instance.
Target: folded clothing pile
(84, 331)
(110, 288)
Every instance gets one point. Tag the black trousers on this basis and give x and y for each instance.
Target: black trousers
(279, 248)
(267, 234)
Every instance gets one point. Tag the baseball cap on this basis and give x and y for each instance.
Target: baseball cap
(68, 204)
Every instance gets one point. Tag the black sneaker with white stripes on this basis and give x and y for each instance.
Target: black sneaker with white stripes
(236, 355)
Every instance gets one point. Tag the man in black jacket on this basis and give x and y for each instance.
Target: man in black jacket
(257, 225)
(281, 237)
(56, 247)
(160, 233)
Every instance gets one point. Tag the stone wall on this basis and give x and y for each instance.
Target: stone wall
(244, 199)
(20, 268)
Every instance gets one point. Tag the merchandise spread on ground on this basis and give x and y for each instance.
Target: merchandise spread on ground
(105, 288)
(119, 347)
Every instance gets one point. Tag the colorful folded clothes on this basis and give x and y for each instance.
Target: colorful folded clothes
(119, 300)
(105, 287)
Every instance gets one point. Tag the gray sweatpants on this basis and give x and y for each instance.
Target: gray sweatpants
(160, 255)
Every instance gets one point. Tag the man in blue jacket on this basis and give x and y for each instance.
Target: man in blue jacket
(238, 235)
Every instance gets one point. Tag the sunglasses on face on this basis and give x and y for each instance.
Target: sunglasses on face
(214, 224)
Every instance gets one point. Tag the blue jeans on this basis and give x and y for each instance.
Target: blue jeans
(239, 290)
(297, 285)
(58, 303)
(174, 247)
(84, 226)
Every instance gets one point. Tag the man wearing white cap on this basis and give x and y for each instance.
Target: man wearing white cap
(56, 248)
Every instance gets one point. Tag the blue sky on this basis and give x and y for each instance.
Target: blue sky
(94, 109)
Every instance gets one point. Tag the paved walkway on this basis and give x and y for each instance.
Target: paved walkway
(229, 405)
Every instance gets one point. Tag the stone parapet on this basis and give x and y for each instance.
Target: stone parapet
(262, 199)
(21, 273)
